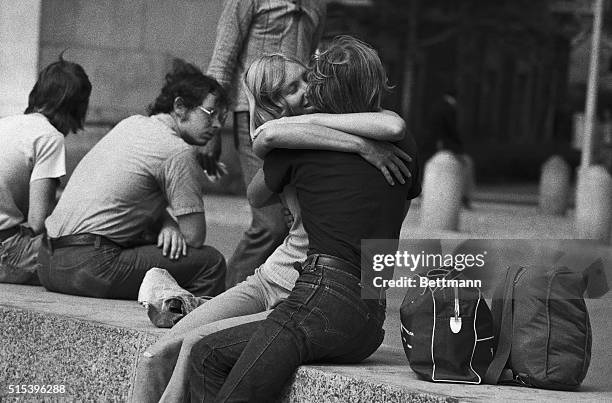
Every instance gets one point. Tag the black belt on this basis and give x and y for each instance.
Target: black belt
(327, 260)
(7, 233)
(80, 240)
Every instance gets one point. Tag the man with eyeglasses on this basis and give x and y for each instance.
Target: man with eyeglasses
(135, 201)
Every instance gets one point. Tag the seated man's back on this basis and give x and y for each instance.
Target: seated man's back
(120, 187)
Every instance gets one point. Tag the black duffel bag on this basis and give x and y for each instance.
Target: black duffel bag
(447, 332)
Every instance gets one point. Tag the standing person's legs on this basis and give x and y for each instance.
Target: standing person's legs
(268, 228)
(201, 272)
(469, 178)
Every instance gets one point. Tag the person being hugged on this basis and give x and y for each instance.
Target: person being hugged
(343, 199)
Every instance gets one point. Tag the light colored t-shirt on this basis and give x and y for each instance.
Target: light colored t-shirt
(122, 186)
(31, 149)
(278, 268)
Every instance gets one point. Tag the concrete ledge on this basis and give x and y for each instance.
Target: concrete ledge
(93, 361)
(327, 384)
(92, 346)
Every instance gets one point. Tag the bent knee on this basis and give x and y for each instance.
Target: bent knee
(201, 353)
(215, 257)
(191, 341)
(164, 348)
(152, 363)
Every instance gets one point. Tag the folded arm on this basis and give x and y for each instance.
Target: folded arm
(258, 194)
(304, 136)
(382, 126)
(42, 202)
(193, 228)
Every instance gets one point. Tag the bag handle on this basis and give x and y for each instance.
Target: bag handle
(440, 271)
(595, 281)
(502, 318)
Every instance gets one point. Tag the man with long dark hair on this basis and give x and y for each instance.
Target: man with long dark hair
(33, 160)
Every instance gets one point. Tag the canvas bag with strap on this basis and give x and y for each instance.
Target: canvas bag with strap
(543, 331)
(447, 333)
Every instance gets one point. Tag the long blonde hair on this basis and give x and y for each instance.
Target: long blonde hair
(266, 80)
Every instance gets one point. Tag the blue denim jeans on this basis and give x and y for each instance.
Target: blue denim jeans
(110, 271)
(324, 319)
(268, 227)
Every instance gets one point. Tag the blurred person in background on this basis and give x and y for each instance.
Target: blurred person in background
(444, 135)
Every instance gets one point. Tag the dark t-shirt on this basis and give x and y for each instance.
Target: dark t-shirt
(343, 198)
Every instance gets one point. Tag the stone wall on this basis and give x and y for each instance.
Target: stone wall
(19, 21)
(126, 46)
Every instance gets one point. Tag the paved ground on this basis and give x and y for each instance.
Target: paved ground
(502, 215)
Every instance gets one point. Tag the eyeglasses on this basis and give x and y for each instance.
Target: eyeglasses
(213, 112)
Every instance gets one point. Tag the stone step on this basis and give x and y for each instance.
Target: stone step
(91, 346)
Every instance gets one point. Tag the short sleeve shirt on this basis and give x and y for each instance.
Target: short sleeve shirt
(343, 198)
(122, 186)
(32, 149)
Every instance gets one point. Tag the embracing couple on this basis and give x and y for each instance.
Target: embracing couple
(343, 180)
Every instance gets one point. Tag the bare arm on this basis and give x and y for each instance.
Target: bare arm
(42, 202)
(389, 159)
(193, 228)
(258, 193)
(304, 136)
(385, 125)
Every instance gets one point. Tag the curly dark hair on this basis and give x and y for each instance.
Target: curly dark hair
(61, 94)
(190, 84)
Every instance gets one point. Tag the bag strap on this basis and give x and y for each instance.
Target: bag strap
(595, 281)
(502, 318)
